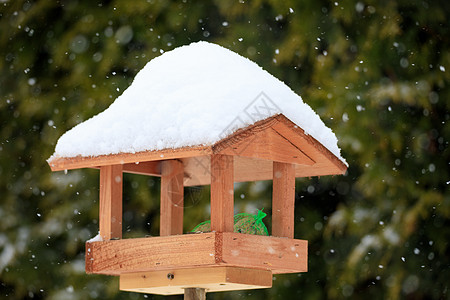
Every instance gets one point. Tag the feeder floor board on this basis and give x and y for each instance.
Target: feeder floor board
(212, 279)
(276, 254)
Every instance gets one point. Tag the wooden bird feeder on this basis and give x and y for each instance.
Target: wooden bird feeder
(272, 149)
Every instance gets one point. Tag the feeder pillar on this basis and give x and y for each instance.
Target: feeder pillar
(222, 193)
(283, 200)
(110, 213)
(194, 294)
(172, 198)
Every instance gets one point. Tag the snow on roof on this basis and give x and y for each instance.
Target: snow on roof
(193, 95)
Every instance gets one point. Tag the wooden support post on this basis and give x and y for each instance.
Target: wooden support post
(172, 198)
(110, 213)
(222, 193)
(283, 200)
(194, 294)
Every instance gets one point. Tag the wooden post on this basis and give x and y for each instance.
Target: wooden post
(194, 294)
(283, 200)
(222, 193)
(172, 194)
(110, 213)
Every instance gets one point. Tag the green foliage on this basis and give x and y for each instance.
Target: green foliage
(377, 72)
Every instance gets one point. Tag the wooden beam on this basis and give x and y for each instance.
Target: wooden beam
(222, 193)
(153, 253)
(151, 168)
(68, 163)
(197, 170)
(278, 254)
(118, 257)
(283, 200)
(110, 212)
(194, 282)
(171, 221)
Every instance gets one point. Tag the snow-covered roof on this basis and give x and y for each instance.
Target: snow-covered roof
(193, 95)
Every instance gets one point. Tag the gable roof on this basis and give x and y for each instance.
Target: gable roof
(254, 148)
(190, 98)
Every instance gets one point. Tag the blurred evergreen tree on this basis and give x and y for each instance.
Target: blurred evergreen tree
(377, 72)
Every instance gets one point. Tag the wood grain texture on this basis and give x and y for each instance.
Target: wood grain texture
(110, 212)
(172, 196)
(280, 255)
(270, 145)
(115, 257)
(195, 293)
(244, 134)
(208, 279)
(326, 162)
(283, 200)
(146, 254)
(150, 168)
(198, 170)
(69, 163)
(222, 193)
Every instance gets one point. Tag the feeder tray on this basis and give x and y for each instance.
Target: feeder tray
(213, 279)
